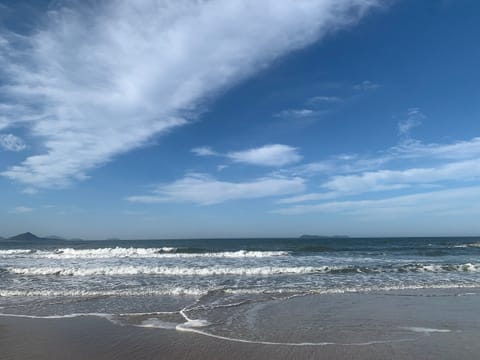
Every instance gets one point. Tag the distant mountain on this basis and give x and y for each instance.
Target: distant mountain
(28, 236)
(324, 237)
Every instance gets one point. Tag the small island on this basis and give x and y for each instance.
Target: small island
(28, 236)
(307, 236)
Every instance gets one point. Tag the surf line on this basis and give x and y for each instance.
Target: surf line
(192, 325)
(75, 315)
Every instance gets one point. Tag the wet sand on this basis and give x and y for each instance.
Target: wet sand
(393, 325)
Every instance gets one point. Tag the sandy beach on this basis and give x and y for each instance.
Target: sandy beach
(420, 324)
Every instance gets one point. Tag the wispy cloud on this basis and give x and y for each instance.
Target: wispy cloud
(268, 155)
(414, 118)
(324, 99)
(342, 164)
(457, 162)
(139, 69)
(366, 85)
(11, 142)
(433, 202)
(274, 155)
(394, 179)
(204, 151)
(459, 150)
(205, 190)
(295, 113)
(21, 210)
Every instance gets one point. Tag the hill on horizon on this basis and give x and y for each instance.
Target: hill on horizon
(25, 236)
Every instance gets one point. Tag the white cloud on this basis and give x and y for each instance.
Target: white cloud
(102, 78)
(308, 197)
(324, 99)
(414, 119)
(21, 210)
(459, 150)
(268, 155)
(295, 113)
(394, 179)
(205, 190)
(351, 175)
(407, 150)
(341, 165)
(11, 142)
(366, 85)
(434, 202)
(204, 151)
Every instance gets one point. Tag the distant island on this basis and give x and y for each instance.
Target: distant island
(28, 236)
(324, 236)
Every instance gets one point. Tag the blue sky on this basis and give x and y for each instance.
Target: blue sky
(159, 119)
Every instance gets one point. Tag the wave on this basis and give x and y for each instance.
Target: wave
(16, 252)
(119, 252)
(471, 245)
(174, 291)
(239, 271)
(161, 270)
(199, 292)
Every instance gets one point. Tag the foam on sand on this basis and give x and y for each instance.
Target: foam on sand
(425, 330)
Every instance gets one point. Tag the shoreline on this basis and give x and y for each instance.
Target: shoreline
(397, 325)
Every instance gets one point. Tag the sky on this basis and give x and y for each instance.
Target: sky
(243, 118)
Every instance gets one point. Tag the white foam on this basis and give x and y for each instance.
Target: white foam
(16, 252)
(119, 252)
(227, 270)
(192, 324)
(163, 270)
(158, 324)
(194, 329)
(468, 267)
(477, 244)
(55, 317)
(425, 330)
(175, 291)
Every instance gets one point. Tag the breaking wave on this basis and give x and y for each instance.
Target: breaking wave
(120, 252)
(240, 271)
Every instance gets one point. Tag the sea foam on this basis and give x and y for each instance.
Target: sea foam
(120, 252)
(232, 270)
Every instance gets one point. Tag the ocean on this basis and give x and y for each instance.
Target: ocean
(188, 284)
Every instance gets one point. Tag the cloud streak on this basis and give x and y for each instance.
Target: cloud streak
(21, 210)
(206, 190)
(434, 202)
(414, 119)
(457, 162)
(274, 155)
(99, 79)
(268, 155)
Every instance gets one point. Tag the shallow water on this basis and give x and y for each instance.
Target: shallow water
(275, 292)
(56, 278)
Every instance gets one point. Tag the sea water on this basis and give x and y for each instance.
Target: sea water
(185, 284)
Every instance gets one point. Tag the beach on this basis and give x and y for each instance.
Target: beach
(419, 324)
(411, 298)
